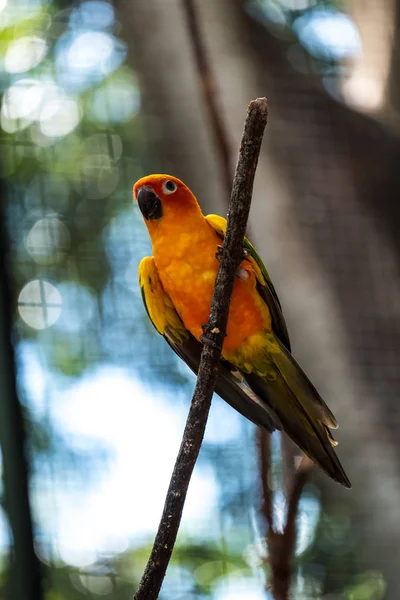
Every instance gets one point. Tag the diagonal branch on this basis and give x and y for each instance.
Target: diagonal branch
(264, 450)
(214, 334)
(281, 546)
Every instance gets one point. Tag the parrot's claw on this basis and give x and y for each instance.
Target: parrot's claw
(218, 255)
(208, 342)
(240, 273)
(205, 339)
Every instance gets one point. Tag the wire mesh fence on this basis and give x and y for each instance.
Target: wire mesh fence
(103, 397)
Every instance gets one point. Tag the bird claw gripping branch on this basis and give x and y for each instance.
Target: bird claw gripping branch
(240, 272)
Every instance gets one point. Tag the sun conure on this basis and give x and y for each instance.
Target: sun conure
(257, 374)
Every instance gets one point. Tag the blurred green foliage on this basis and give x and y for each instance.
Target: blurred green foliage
(71, 148)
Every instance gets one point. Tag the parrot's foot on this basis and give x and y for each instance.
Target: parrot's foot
(206, 340)
(220, 252)
(240, 273)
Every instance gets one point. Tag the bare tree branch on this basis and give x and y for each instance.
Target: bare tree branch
(214, 334)
(288, 449)
(281, 546)
(264, 450)
(210, 94)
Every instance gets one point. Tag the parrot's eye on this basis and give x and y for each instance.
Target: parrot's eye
(169, 187)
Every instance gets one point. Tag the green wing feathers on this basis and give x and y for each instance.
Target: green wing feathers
(282, 384)
(303, 414)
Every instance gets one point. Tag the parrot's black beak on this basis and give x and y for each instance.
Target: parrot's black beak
(149, 204)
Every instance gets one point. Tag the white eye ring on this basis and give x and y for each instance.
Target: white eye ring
(169, 187)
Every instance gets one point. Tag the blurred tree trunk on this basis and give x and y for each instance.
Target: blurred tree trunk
(178, 136)
(324, 216)
(24, 574)
(331, 258)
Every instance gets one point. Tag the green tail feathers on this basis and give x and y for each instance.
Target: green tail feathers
(303, 414)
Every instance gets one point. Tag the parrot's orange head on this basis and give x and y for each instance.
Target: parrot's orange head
(163, 197)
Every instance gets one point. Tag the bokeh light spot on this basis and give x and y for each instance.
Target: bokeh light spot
(84, 58)
(30, 100)
(369, 585)
(237, 586)
(328, 34)
(93, 15)
(96, 584)
(101, 176)
(59, 117)
(115, 102)
(39, 304)
(24, 54)
(79, 307)
(48, 240)
(22, 99)
(297, 4)
(89, 50)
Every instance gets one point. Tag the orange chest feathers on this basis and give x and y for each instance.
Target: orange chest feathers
(187, 266)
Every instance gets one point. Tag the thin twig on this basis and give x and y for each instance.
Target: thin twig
(264, 449)
(299, 481)
(210, 93)
(288, 463)
(281, 546)
(239, 207)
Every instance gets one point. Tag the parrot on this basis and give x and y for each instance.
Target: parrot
(257, 374)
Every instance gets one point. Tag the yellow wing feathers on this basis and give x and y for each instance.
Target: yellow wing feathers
(217, 223)
(158, 304)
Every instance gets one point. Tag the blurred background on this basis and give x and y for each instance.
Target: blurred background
(96, 94)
